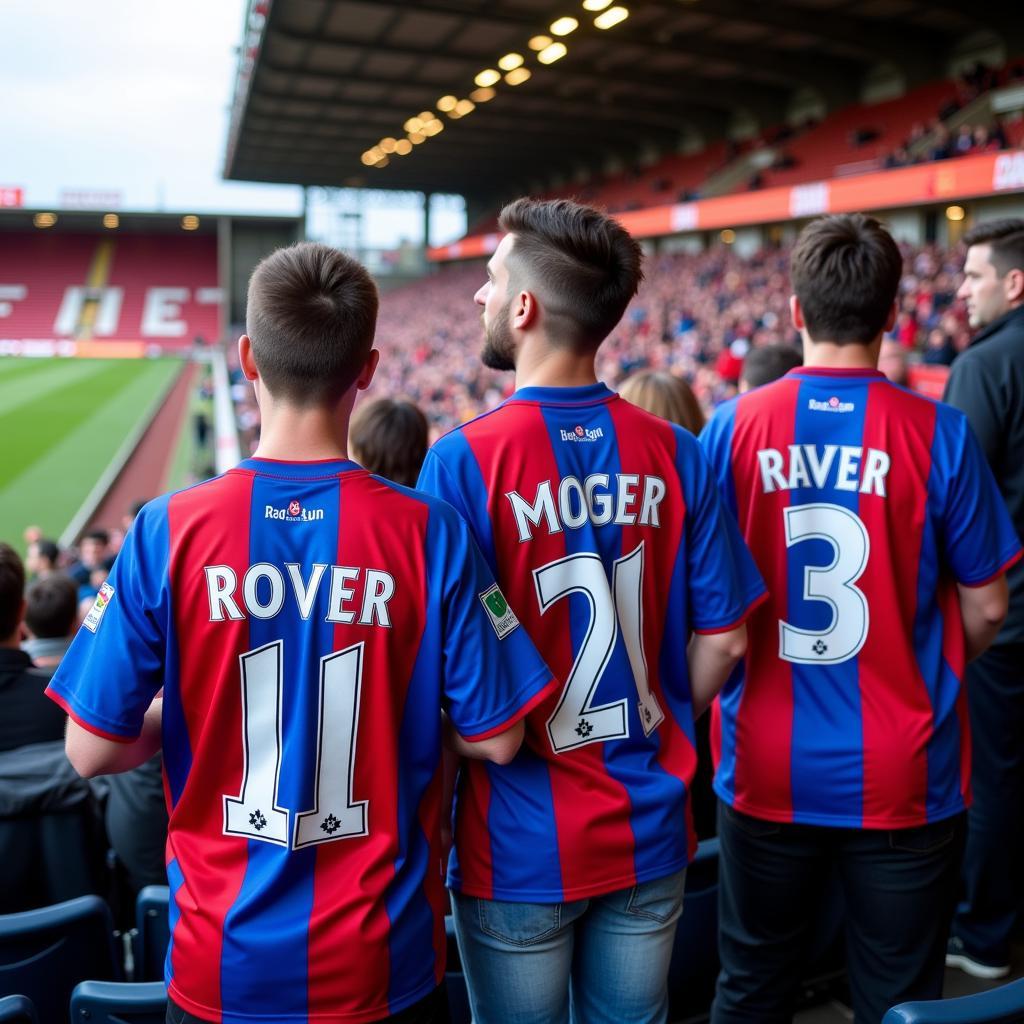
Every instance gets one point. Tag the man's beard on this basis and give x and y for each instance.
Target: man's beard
(498, 352)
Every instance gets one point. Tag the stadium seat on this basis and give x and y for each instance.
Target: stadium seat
(113, 1002)
(17, 1010)
(153, 933)
(455, 980)
(1003, 1005)
(45, 953)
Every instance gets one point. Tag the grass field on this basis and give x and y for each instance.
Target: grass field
(61, 423)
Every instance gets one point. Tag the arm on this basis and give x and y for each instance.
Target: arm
(983, 609)
(92, 755)
(711, 657)
(500, 748)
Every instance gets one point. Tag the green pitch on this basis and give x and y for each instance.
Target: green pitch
(61, 423)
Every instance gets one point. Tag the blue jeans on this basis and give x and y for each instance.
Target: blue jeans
(602, 960)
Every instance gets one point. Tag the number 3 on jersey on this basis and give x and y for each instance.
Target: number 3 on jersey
(835, 584)
(255, 813)
(576, 720)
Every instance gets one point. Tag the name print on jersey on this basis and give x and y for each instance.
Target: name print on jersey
(264, 590)
(842, 467)
(593, 500)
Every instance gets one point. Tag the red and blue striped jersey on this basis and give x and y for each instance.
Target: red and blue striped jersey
(604, 526)
(864, 505)
(307, 623)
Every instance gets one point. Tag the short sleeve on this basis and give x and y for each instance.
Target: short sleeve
(716, 440)
(493, 674)
(980, 541)
(722, 580)
(114, 667)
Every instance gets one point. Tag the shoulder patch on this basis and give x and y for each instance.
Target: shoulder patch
(92, 621)
(503, 619)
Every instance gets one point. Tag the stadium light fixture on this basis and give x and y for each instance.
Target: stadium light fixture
(44, 220)
(611, 17)
(539, 42)
(444, 104)
(955, 213)
(488, 77)
(426, 116)
(728, 236)
(189, 222)
(417, 137)
(111, 221)
(482, 95)
(382, 162)
(595, 5)
(369, 158)
(432, 128)
(387, 145)
(556, 51)
(510, 61)
(563, 26)
(414, 124)
(403, 147)
(465, 107)
(518, 76)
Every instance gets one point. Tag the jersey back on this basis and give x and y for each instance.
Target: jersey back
(605, 530)
(864, 505)
(307, 623)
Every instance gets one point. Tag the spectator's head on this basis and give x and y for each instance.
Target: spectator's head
(994, 270)
(92, 548)
(845, 271)
(665, 395)
(12, 596)
(892, 361)
(390, 438)
(563, 273)
(41, 558)
(129, 517)
(310, 320)
(51, 607)
(766, 363)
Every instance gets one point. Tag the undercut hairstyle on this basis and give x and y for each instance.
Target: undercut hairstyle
(51, 606)
(390, 438)
(1005, 238)
(845, 270)
(766, 363)
(665, 395)
(583, 267)
(12, 590)
(311, 315)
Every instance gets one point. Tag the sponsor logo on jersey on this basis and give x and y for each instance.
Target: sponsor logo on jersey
(832, 405)
(294, 513)
(581, 433)
(503, 619)
(99, 606)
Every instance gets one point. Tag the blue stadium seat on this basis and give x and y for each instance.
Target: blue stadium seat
(455, 980)
(152, 926)
(17, 1010)
(44, 953)
(1003, 1005)
(113, 1002)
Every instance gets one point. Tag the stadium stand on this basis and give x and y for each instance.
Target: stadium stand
(17, 1010)
(119, 1002)
(1003, 1005)
(152, 932)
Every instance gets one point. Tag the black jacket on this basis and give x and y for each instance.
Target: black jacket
(987, 383)
(27, 715)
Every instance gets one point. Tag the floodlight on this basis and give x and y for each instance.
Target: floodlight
(518, 76)
(44, 220)
(414, 124)
(611, 17)
(563, 26)
(510, 61)
(445, 103)
(465, 107)
(595, 5)
(482, 95)
(487, 77)
(111, 221)
(388, 145)
(403, 147)
(539, 42)
(190, 222)
(556, 51)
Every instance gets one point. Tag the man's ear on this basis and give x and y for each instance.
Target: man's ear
(1014, 285)
(246, 359)
(796, 312)
(525, 311)
(890, 320)
(368, 370)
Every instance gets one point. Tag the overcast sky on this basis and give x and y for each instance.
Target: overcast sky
(132, 96)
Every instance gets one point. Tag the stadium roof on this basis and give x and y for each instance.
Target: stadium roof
(321, 82)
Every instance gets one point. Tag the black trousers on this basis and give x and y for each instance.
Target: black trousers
(432, 1009)
(995, 697)
(899, 887)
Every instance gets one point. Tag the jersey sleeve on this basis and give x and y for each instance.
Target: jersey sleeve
(722, 580)
(980, 540)
(493, 675)
(114, 667)
(716, 440)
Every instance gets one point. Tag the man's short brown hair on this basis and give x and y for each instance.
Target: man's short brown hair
(845, 270)
(583, 266)
(12, 590)
(51, 606)
(311, 316)
(390, 437)
(1005, 238)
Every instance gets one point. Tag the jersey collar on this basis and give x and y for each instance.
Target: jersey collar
(584, 394)
(845, 372)
(314, 470)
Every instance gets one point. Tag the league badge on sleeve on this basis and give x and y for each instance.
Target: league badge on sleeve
(503, 619)
(92, 621)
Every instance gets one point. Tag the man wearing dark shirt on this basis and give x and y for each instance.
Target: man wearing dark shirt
(26, 716)
(987, 383)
